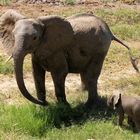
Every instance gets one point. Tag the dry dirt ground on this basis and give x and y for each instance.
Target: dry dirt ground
(8, 87)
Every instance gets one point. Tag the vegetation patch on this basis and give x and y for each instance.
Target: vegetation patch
(70, 2)
(60, 122)
(5, 2)
(124, 22)
(5, 67)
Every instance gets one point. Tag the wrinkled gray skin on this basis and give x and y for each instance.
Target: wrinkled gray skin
(77, 44)
(126, 105)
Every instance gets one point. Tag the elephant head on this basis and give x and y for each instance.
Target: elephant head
(21, 36)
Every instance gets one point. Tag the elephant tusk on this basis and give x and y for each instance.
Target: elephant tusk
(9, 58)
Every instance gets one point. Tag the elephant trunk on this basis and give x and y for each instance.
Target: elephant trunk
(19, 56)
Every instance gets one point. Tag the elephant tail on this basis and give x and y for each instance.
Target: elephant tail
(119, 41)
(134, 60)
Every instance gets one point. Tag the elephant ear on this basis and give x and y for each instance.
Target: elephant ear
(7, 24)
(116, 100)
(57, 32)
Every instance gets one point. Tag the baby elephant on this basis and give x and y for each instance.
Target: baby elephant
(129, 105)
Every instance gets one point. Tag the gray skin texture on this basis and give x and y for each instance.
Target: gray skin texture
(126, 105)
(77, 44)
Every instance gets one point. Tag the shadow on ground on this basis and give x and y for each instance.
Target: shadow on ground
(37, 120)
(62, 115)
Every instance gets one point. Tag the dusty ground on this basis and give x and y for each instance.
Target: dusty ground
(8, 85)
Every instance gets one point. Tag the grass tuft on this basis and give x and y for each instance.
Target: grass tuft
(5, 2)
(6, 68)
(70, 2)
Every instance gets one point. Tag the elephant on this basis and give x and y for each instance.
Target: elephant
(77, 44)
(126, 105)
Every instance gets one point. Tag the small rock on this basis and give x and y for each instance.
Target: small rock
(44, 1)
(80, 1)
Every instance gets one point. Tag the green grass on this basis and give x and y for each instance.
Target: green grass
(124, 22)
(128, 85)
(127, 32)
(119, 16)
(5, 2)
(60, 122)
(8, 67)
(5, 67)
(70, 2)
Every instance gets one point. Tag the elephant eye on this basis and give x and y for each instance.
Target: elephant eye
(35, 38)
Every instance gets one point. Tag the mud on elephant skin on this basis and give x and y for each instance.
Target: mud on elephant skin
(128, 105)
(77, 44)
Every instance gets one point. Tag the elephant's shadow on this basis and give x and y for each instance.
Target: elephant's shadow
(59, 115)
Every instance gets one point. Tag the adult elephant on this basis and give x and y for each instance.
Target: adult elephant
(77, 44)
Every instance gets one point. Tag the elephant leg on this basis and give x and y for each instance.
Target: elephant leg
(59, 84)
(121, 118)
(91, 84)
(90, 77)
(39, 78)
(131, 122)
(137, 125)
(92, 92)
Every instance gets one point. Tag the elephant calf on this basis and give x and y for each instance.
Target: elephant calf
(126, 105)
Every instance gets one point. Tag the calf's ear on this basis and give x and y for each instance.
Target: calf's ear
(116, 100)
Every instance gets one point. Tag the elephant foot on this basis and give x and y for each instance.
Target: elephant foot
(135, 130)
(64, 103)
(45, 103)
(92, 103)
